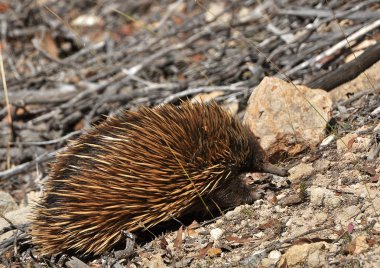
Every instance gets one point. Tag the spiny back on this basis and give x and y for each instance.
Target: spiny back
(138, 169)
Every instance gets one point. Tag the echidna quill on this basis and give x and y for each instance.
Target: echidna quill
(138, 169)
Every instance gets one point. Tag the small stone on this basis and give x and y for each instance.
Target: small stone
(345, 144)
(376, 227)
(376, 111)
(266, 262)
(301, 170)
(320, 218)
(7, 203)
(322, 164)
(216, 233)
(259, 234)
(274, 255)
(318, 196)
(291, 200)
(232, 213)
(349, 157)
(360, 244)
(17, 217)
(156, 262)
(333, 201)
(361, 144)
(377, 128)
(327, 140)
(313, 255)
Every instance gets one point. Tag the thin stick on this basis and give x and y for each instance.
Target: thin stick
(9, 115)
(336, 47)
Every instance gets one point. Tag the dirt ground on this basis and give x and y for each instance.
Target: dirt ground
(65, 65)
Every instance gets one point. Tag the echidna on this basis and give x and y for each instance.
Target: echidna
(138, 169)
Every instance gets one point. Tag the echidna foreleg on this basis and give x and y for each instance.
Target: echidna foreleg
(130, 240)
(272, 169)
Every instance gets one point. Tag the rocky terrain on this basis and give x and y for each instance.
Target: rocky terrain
(303, 75)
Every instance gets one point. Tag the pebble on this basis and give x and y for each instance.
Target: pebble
(216, 233)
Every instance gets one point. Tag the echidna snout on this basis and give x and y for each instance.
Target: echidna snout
(138, 169)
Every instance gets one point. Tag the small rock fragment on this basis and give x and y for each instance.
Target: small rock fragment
(313, 255)
(318, 196)
(216, 233)
(360, 244)
(301, 170)
(7, 203)
(327, 140)
(345, 144)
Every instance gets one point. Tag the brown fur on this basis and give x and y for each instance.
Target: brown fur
(138, 169)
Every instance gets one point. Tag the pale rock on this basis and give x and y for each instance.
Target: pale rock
(349, 157)
(318, 196)
(219, 222)
(281, 196)
(300, 171)
(326, 141)
(320, 217)
(314, 255)
(156, 262)
(345, 216)
(316, 259)
(7, 203)
(377, 128)
(321, 164)
(232, 213)
(280, 209)
(333, 202)
(213, 12)
(359, 49)
(274, 255)
(360, 244)
(321, 180)
(343, 144)
(207, 97)
(289, 223)
(281, 115)
(361, 144)
(259, 234)
(266, 262)
(17, 217)
(376, 227)
(376, 111)
(216, 233)
(358, 84)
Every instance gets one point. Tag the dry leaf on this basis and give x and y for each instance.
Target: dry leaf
(191, 229)
(203, 251)
(349, 143)
(48, 45)
(163, 243)
(212, 252)
(350, 228)
(375, 179)
(350, 248)
(197, 57)
(370, 171)
(269, 224)
(178, 239)
(3, 7)
(127, 28)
